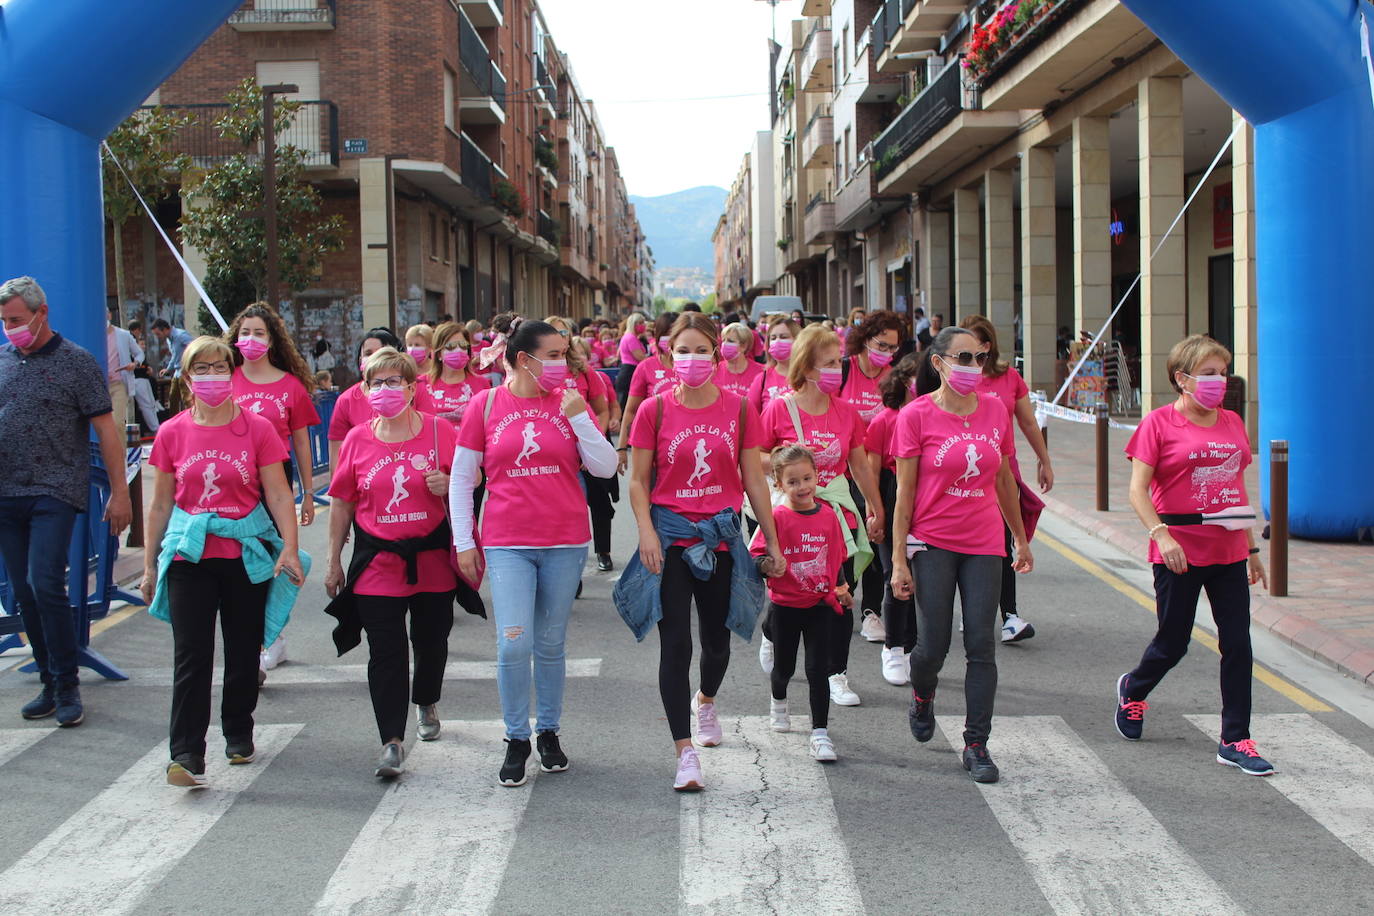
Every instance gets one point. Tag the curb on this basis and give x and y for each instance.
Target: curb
(1307, 636)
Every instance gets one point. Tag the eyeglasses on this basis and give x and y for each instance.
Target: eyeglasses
(965, 358)
(885, 347)
(219, 368)
(395, 383)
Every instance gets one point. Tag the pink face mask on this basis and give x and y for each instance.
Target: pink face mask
(553, 373)
(419, 354)
(830, 380)
(780, 349)
(251, 348)
(1210, 390)
(665, 344)
(456, 359)
(879, 358)
(22, 336)
(388, 403)
(729, 349)
(212, 390)
(693, 369)
(963, 379)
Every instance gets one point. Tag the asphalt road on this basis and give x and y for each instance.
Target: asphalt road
(1082, 821)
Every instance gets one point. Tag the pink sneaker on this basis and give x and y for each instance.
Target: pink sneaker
(708, 726)
(688, 777)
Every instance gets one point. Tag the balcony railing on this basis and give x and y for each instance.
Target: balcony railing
(1009, 34)
(267, 15)
(477, 170)
(314, 131)
(817, 63)
(548, 228)
(935, 107)
(819, 219)
(818, 138)
(890, 17)
(475, 57)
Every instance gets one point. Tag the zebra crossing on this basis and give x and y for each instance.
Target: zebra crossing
(765, 837)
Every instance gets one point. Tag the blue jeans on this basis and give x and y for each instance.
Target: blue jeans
(532, 593)
(35, 534)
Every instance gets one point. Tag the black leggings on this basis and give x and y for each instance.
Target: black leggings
(1008, 600)
(675, 635)
(388, 661)
(790, 625)
(195, 593)
(599, 494)
(899, 614)
(622, 383)
(871, 597)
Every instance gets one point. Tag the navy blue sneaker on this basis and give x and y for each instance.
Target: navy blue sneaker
(41, 706)
(1243, 756)
(69, 712)
(1130, 714)
(979, 763)
(921, 716)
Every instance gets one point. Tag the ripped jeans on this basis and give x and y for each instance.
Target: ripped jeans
(532, 591)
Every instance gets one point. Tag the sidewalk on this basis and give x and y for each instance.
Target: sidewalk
(1329, 613)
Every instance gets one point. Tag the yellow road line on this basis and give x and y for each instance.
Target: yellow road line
(1145, 600)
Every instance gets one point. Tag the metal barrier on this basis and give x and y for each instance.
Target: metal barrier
(319, 443)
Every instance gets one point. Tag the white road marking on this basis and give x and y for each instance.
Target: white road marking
(452, 824)
(293, 673)
(15, 741)
(1091, 846)
(107, 856)
(763, 836)
(1316, 769)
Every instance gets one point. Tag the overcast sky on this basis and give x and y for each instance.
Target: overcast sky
(640, 60)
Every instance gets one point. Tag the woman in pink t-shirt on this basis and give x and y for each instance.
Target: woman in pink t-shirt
(531, 437)
(601, 492)
(451, 382)
(352, 408)
(631, 351)
(954, 489)
(738, 368)
(389, 489)
(772, 382)
(1189, 457)
(831, 428)
(696, 455)
(215, 457)
(652, 377)
(1003, 382)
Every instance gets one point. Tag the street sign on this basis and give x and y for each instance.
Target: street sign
(355, 147)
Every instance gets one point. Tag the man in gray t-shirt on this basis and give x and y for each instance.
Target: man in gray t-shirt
(52, 393)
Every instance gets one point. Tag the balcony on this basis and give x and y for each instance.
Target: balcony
(858, 204)
(1051, 50)
(920, 25)
(284, 16)
(817, 61)
(819, 223)
(935, 107)
(815, 8)
(478, 171)
(314, 131)
(548, 228)
(482, 86)
(485, 14)
(818, 140)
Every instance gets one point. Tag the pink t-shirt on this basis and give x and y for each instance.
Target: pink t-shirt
(696, 453)
(956, 481)
(386, 483)
(651, 377)
(862, 392)
(1197, 469)
(350, 410)
(284, 402)
(813, 545)
(449, 400)
(767, 385)
(737, 382)
(831, 436)
(629, 343)
(216, 468)
(534, 485)
(1009, 387)
(878, 439)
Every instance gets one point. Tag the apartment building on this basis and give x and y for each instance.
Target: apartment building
(733, 241)
(453, 138)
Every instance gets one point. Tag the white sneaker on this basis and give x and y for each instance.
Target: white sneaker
(840, 694)
(873, 629)
(778, 719)
(273, 655)
(895, 666)
(822, 748)
(1015, 629)
(766, 654)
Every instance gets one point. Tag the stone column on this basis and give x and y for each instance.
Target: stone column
(935, 263)
(967, 289)
(999, 277)
(1092, 211)
(1038, 274)
(1163, 286)
(372, 230)
(1243, 207)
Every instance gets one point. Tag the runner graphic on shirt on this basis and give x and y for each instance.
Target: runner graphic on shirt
(211, 490)
(810, 574)
(700, 453)
(973, 458)
(257, 407)
(399, 493)
(1204, 478)
(531, 447)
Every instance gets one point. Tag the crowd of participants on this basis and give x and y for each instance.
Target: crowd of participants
(802, 479)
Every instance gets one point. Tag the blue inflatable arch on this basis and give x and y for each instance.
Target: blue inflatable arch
(1295, 71)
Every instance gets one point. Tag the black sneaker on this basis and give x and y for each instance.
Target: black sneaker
(979, 764)
(1130, 714)
(1243, 756)
(921, 715)
(603, 562)
(41, 706)
(575, 597)
(69, 711)
(240, 751)
(551, 756)
(513, 770)
(186, 771)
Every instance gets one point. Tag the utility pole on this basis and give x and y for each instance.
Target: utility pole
(269, 186)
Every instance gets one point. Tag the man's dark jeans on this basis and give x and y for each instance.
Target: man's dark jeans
(35, 533)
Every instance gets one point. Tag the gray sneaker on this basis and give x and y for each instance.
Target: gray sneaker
(427, 722)
(390, 764)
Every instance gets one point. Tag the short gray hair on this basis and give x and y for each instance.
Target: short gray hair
(25, 288)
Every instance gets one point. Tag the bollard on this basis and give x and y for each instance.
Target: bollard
(1102, 449)
(1278, 518)
(133, 438)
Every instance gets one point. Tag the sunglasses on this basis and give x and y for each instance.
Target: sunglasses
(965, 358)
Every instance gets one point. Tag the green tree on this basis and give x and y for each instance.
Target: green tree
(145, 146)
(227, 223)
(708, 304)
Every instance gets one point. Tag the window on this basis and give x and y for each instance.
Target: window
(450, 98)
(848, 163)
(844, 56)
(433, 236)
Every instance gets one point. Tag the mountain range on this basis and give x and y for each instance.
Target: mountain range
(679, 226)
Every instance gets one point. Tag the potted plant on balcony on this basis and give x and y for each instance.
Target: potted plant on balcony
(509, 198)
(784, 244)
